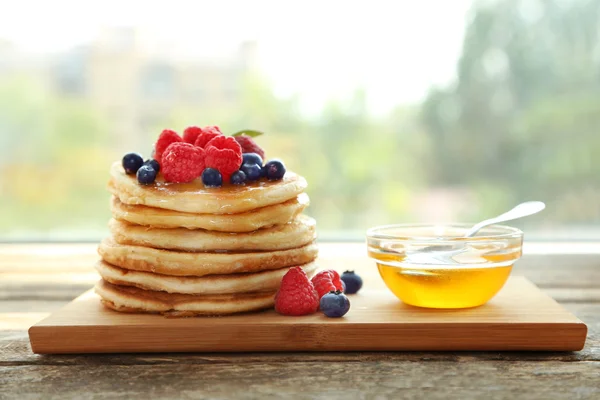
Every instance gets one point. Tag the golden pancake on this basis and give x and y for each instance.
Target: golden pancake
(264, 217)
(195, 198)
(131, 299)
(263, 281)
(297, 233)
(180, 263)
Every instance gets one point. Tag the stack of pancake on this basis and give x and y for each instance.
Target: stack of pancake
(186, 250)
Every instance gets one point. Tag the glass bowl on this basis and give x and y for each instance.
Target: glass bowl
(434, 266)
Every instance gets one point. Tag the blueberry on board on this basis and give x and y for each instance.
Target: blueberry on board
(146, 175)
(153, 163)
(352, 281)
(212, 178)
(274, 170)
(253, 171)
(238, 178)
(252, 158)
(132, 162)
(335, 304)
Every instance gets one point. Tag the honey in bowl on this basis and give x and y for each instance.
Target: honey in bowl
(435, 267)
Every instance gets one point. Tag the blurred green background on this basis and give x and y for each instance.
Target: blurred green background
(521, 121)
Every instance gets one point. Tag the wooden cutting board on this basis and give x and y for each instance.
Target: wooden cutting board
(520, 317)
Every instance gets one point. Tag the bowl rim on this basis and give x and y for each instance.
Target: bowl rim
(376, 232)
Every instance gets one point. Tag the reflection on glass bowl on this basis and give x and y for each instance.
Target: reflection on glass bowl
(434, 266)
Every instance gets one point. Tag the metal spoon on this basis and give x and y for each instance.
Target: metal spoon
(522, 210)
(443, 254)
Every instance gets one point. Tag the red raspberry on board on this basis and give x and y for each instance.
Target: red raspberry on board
(224, 154)
(249, 145)
(296, 295)
(164, 140)
(208, 134)
(182, 162)
(327, 281)
(337, 280)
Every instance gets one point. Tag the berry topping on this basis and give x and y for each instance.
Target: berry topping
(146, 174)
(352, 281)
(327, 281)
(132, 162)
(191, 133)
(154, 164)
(274, 170)
(334, 304)
(238, 178)
(224, 154)
(164, 140)
(296, 295)
(208, 133)
(253, 171)
(212, 178)
(249, 145)
(252, 158)
(182, 162)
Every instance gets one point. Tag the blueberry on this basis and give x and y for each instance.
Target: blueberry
(352, 281)
(212, 178)
(274, 170)
(132, 162)
(146, 174)
(238, 178)
(253, 171)
(335, 304)
(154, 164)
(252, 158)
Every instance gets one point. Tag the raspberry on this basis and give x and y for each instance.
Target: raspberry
(224, 154)
(337, 281)
(190, 134)
(327, 281)
(208, 133)
(249, 145)
(182, 162)
(296, 295)
(164, 140)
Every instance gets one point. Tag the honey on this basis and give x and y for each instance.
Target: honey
(437, 267)
(444, 287)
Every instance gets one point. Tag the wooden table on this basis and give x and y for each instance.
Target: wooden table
(38, 279)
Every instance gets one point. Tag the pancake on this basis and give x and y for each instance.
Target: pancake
(180, 263)
(297, 233)
(131, 299)
(263, 281)
(195, 198)
(263, 217)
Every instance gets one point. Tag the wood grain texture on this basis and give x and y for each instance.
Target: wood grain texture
(520, 317)
(311, 380)
(15, 350)
(32, 285)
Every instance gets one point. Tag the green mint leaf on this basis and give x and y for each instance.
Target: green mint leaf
(248, 132)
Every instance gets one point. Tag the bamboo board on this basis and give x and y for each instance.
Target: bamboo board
(520, 317)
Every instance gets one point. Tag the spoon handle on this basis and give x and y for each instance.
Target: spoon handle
(520, 211)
